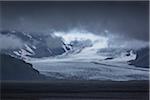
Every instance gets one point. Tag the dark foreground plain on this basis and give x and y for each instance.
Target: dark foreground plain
(74, 90)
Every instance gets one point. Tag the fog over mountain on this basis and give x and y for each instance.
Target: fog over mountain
(128, 19)
(11, 42)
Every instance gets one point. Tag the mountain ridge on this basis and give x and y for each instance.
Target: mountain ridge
(35, 45)
(17, 69)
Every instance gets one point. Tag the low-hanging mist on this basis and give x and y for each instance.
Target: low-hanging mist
(10, 42)
(108, 40)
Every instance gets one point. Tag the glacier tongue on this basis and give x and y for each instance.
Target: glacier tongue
(89, 65)
(80, 70)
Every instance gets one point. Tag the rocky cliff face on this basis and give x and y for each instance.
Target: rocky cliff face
(142, 59)
(16, 69)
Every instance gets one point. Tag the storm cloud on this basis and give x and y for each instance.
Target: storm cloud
(126, 18)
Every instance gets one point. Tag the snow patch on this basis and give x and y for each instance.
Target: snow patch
(29, 49)
(15, 52)
(34, 47)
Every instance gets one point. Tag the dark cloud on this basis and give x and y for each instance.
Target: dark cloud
(125, 18)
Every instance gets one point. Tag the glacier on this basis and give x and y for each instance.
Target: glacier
(89, 62)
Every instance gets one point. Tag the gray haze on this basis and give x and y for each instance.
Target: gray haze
(130, 19)
(10, 42)
(54, 42)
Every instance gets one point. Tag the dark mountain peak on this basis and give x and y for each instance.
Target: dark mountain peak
(142, 58)
(16, 69)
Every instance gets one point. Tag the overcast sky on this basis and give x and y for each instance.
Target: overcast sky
(125, 18)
